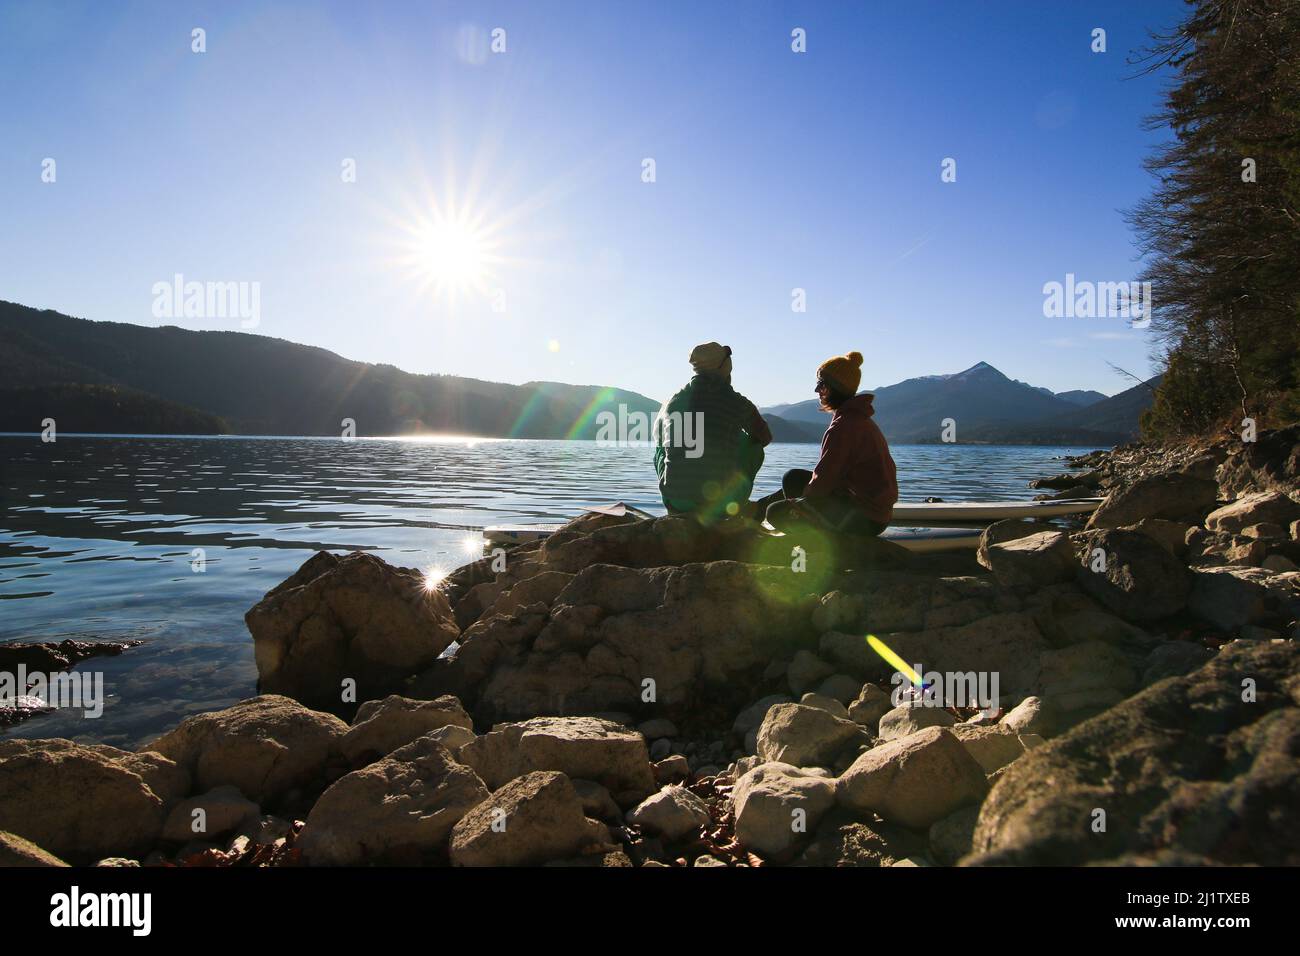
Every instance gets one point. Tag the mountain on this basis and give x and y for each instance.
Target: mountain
(987, 406)
(789, 430)
(259, 385)
(1081, 397)
(76, 407)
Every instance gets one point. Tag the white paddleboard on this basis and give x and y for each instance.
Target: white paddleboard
(915, 512)
(914, 539)
(502, 535)
(933, 539)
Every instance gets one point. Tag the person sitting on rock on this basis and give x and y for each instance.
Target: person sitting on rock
(709, 442)
(853, 488)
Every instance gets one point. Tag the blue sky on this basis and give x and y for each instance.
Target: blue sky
(774, 171)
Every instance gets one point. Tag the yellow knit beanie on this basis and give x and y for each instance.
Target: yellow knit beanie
(842, 371)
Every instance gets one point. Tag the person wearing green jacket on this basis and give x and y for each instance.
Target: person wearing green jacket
(709, 442)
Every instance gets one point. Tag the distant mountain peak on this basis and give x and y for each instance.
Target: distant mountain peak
(983, 369)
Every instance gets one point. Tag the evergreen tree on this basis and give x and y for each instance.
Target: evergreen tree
(1222, 228)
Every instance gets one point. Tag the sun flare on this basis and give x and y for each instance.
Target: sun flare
(450, 255)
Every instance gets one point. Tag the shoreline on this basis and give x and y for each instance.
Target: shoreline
(671, 695)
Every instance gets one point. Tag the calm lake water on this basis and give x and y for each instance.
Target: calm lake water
(97, 535)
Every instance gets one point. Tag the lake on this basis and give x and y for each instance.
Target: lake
(98, 535)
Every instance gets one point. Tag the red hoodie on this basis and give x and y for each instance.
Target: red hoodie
(855, 459)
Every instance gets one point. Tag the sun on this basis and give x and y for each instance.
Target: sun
(452, 255)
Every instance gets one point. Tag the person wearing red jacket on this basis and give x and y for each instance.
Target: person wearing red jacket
(853, 488)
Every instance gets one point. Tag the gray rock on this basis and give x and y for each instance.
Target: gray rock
(1031, 715)
(828, 704)
(224, 809)
(907, 719)
(1091, 675)
(1186, 767)
(533, 819)
(803, 736)
(15, 851)
(264, 746)
(751, 718)
(657, 728)
(1032, 561)
(674, 813)
(776, 804)
(1270, 506)
(672, 769)
(1229, 597)
(584, 747)
(1173, 659)
(914, 781)
(1163, 495)
(381, 726)
(992, 747)
(596, 801)
(871, 704)
(405, 804)
(1141, 581)
(950, 838)
(806, 671)
(840, 687)
(347, 617)
(76, 802)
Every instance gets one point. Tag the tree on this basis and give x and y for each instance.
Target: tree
(1222, 228)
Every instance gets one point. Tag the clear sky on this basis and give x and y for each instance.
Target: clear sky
(499, 225)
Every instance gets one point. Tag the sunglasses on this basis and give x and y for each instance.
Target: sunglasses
(821, 384)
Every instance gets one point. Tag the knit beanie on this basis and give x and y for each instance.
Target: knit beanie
(842, 371)
(712, 357)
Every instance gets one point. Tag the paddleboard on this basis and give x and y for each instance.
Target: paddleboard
(914, 539)
(918, 512)
(504, 535)
(924, 540)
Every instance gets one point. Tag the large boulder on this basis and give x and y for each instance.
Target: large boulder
(1169, 495)
(265, 746)
(1032, 561)
(616, 633)
(381, 726)
(1270, 463)
(586, 748)
(804, 736)
(79, 803)
(914, 781)
(776, 805)
(351, 617)
(1202, 765)
(1008, 645)
(1132, 575)
(1229, 597)
(1091, 675)
(400, 809)
(1274, 507)
(533, 819)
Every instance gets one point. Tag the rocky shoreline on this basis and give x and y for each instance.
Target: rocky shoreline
(651, 693)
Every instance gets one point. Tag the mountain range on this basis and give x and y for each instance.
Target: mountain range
(117, 377)
(987, 407)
